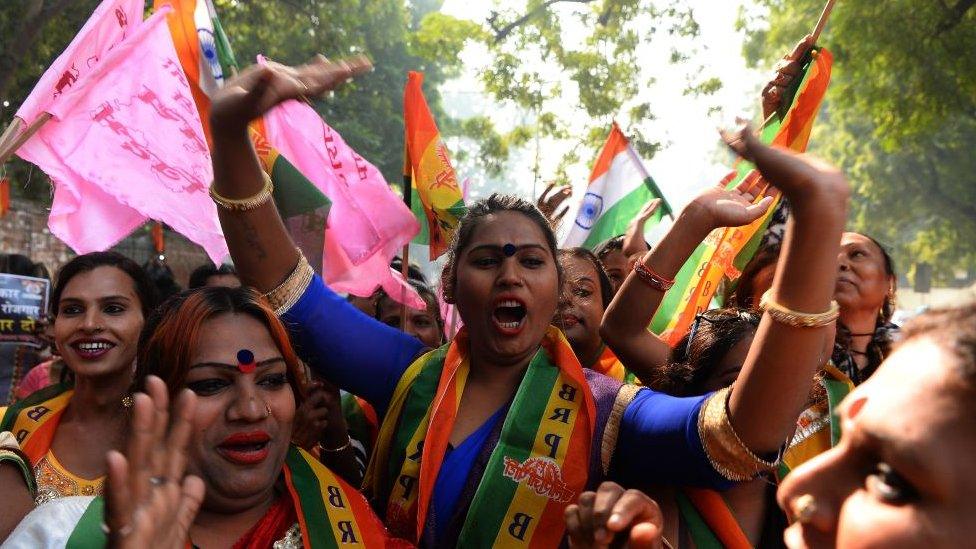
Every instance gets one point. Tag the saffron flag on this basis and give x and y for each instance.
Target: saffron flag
(125, 146)
(368, 223)
(4, 196)
(427, 168)
(108, 25)
(726, 250)
(619, 187)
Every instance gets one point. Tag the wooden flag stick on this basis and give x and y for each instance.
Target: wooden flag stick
(11, 132)
(29, 132)
(405, 271)
(822, 22)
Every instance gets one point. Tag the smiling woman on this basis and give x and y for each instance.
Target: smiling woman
(99, 305)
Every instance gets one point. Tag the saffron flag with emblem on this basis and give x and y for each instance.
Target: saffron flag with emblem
(619, 187)
(726, 250)
(430, 183)
(126, 146)
(108, 25)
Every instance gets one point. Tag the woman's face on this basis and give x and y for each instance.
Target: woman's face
(98, 321)
(506, 302)
(615, 264)
(243, 421)
(580, 306)
(420, 324)
(901, 475)
(862, 282)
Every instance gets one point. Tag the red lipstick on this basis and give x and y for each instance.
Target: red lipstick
(245, 448)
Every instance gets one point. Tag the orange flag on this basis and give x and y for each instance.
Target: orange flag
(427, 171)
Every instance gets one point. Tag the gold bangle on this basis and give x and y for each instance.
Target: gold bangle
(797, 319)
(723, 447)
(244, 204)
(284, 297)
(345, 446)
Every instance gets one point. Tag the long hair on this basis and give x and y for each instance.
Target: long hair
(174, 329)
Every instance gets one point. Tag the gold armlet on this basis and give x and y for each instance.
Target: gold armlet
(625, 395)
(284, 297)
(244, 204)
(725, 450)
(787, 316)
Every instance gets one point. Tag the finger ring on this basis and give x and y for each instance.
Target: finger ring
(804, 507)
(157, 481)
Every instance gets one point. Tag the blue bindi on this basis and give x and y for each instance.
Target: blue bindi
(509, 249)
(245, 357)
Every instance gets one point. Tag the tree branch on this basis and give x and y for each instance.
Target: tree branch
(36, 17)
(502, 32)
(955, 15)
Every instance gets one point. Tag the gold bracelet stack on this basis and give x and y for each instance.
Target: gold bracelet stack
(287, 293)
(725, 450)
(244, 204)
(787, 316)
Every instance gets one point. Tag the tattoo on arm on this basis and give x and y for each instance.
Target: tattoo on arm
(251, 237)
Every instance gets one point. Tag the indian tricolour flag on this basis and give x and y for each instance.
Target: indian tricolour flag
(619, 187)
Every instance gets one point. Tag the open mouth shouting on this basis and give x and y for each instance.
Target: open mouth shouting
(246, 448)
(92, 349)
(508, 315)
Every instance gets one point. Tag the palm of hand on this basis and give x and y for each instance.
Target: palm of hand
(730, 208)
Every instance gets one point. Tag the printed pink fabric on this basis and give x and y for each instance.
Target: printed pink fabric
(125, 146)
(108, 25)
(368, 223)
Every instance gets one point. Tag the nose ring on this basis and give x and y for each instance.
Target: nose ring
(804, 508)
(267, 408)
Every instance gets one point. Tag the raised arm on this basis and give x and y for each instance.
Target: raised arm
(624, 326)
(772, 388)
(263, 253)
(350, 349)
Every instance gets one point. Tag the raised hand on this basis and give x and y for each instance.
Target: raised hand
(798, 176)
(611, 515)
(548, 204)
(717, 207)
(785, 70)
(149, 502)
(258, 88)
(312, 417)
(647, 211)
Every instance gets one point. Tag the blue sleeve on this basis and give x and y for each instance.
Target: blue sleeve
(659, 443)
(356, 352)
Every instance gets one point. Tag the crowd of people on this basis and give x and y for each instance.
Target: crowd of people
(259, 408)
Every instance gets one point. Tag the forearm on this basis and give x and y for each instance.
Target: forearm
(337, 452)
(17, 498)
(624, 326)
(263, 253)
(775, 380)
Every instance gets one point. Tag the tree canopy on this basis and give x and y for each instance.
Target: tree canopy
(900, 117)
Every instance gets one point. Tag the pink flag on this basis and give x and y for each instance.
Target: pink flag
(368, 223)
(126, 145)
(110, 23)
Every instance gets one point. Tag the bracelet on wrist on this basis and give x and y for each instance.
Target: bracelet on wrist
(244, 204)
(797, 319)
(651, 278)
(345, 446)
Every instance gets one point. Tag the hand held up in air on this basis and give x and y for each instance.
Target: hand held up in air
(784, 73)
(258, 88)
(549, 203)
(149, 503)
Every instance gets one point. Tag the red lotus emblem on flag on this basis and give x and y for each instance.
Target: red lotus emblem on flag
(542, 475)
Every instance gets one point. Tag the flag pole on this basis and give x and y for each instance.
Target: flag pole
(822, 22)
(405, 256)
(29, 132)
(11, 131)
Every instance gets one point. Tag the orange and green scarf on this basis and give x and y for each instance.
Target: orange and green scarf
(818, 428)
(34, 420)
(539, 466)
(331, 513)
(710, 522)
(609, 365)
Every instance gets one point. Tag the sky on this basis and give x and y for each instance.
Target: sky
(691, 157)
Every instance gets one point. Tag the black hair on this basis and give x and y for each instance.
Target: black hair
(162, 277)
(606, 287)
(888, 309)
(426, 293)
(742, 295)
(413, 271)
(714, 334)
(21, 265)
(954, 330)
(613, 244)
(473, 218)
(199, 276)
(145, 289)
